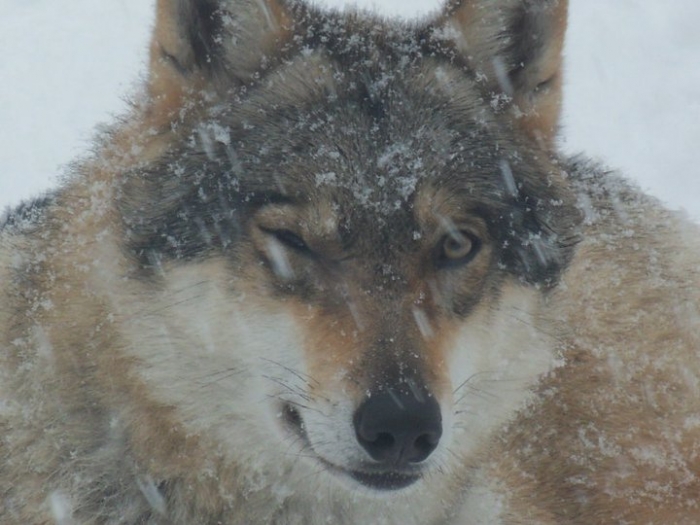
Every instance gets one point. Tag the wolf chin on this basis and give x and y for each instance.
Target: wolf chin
(331, 269)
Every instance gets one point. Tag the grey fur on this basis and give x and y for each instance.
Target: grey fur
(278, 197)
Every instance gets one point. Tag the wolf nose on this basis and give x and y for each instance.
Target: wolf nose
(398, 428)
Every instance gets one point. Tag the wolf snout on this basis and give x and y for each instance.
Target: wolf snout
(398, 429)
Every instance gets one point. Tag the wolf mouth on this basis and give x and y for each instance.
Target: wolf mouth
(384, 480)
(379, 480)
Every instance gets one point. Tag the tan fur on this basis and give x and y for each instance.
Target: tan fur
(615, 436)
(220, 386)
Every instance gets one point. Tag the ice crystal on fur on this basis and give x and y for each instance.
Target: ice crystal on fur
(332, 269)
(153, 496)
(61, 508)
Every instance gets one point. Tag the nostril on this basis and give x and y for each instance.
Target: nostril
(423, 446)
(384, 441)
(398, 429)
(381, 446)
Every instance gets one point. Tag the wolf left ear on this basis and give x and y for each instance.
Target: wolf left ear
(515, 47)
(197, 42)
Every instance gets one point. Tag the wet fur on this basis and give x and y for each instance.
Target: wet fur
(162, 342)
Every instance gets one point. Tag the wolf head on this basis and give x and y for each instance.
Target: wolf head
(344, 230)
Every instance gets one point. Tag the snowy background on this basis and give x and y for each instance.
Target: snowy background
(632, 93)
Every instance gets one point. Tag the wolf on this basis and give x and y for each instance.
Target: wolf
(332, 269)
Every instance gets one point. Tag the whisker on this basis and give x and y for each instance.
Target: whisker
(293, 389)
(221, 376)
(299, 375)
(471, 378)
(536, 327)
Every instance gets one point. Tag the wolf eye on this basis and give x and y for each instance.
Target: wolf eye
(457, 248)
(289, 239)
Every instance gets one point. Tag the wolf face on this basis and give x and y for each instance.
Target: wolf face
(305, 281)
(351, 233)
(331, 270)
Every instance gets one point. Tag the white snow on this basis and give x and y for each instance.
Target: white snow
(61, 508)
(632, 92)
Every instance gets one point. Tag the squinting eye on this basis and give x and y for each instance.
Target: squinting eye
(457, 248)
(289, 239)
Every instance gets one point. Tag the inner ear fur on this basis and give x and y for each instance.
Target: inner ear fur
(195, 43)
(516, 46)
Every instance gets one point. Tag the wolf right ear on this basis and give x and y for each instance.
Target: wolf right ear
(515, 49)
(196, 42)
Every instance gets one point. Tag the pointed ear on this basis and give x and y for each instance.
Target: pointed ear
(516, 47)
(197, 42)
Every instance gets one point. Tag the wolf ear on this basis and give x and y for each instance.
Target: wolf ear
(196, 42)
(515, 46)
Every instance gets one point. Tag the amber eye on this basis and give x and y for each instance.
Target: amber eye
(457, 248)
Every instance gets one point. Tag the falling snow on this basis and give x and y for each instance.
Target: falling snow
(186, 356)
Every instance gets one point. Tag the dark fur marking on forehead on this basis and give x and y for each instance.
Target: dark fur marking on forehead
(534, 237)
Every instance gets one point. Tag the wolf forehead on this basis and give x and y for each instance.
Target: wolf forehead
(370, 122)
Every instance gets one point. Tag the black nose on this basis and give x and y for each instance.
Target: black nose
(398, 428)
